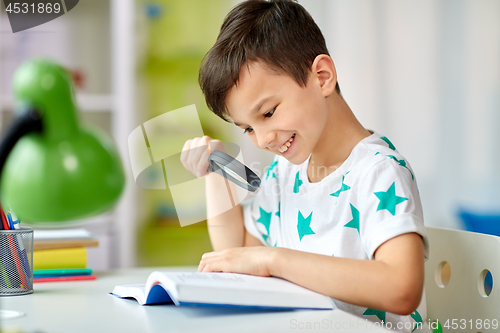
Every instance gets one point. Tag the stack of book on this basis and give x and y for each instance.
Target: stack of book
(61, 255)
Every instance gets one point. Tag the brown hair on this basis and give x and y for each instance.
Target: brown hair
(279, 33)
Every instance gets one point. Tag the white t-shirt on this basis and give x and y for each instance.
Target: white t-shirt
(371, 198)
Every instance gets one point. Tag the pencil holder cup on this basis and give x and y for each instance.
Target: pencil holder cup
(16, 262)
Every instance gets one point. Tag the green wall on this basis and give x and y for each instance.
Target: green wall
(174, 36)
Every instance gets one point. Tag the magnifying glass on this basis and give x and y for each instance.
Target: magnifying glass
(233, 170)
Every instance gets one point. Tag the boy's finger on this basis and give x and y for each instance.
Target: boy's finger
(217, 145)
(207, 140)
(194, 158)
(208, 254)
(203, 164)
(201, 265)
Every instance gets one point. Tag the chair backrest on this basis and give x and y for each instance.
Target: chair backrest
(458, 291)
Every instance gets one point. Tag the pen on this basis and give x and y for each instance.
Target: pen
(22, 250)
(4, 221)
(7, 256)
(17, 262)
(5, 224)
(9, 219)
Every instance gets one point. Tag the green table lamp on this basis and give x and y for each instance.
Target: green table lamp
(52, 168)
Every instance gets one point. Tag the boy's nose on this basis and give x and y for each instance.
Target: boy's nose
(265, 139)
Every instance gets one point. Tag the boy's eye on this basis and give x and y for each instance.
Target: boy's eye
(270, 113)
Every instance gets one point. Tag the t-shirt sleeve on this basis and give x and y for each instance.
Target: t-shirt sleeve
(261, 212)
(389, 205)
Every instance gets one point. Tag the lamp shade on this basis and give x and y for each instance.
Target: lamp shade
(65, 171)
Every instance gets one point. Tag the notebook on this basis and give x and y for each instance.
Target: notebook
(222, 290)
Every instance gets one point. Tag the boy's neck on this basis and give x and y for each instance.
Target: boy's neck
(341, 134)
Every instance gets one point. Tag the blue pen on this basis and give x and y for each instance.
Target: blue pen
(9, 219)
(15, 221)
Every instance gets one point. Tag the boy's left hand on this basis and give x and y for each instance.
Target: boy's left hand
(246, 260)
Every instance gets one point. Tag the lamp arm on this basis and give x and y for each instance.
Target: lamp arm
(23, 124)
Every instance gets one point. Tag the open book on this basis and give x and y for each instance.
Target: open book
(222, 290)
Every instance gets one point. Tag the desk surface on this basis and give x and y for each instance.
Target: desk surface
(86, 306)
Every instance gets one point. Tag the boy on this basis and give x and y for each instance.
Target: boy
(339, 208)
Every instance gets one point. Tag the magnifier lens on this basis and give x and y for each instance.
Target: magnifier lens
(233, 170)
(232, 173)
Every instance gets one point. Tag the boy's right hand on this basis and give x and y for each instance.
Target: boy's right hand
(195, 154)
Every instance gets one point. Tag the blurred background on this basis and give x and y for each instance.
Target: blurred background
(424, 73)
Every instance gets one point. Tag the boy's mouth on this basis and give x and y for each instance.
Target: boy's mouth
(286, 145)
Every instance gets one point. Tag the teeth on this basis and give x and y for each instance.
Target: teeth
(284, 148)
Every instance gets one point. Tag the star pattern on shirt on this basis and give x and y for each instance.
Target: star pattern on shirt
(265, 238)
(418, 319)
(343, 188)
(403, 164)
(278, 214)
(304, 225)
(388, 142)
(265, 219)
(297, 183)
(354, 223)
(389, 200)
(380, 314)
(271, 169)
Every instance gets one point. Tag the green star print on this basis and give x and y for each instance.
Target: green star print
(403, 164)
(418, 319)
(354, 223)
(304, 225)
(278, 214)
(389, 200)
(298, 182)
(388, 142)
(343, 188)
(380, 314)
(265, 238)
(271, 167)
(265, 219)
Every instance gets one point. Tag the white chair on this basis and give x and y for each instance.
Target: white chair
(455, 280)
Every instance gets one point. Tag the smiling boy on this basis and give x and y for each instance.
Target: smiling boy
(347, 220)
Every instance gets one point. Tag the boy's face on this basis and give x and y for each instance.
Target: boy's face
(278, 114)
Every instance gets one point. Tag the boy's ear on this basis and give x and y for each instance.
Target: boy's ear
(324, 71)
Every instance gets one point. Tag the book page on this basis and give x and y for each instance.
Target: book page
(231, 289)
(235, 281)
(136, 291)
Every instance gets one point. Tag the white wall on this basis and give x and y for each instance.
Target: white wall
(427, 75)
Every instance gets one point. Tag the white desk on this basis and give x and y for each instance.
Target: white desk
(86, 306)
